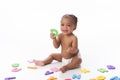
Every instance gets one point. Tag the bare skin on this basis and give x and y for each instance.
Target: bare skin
(69, 46)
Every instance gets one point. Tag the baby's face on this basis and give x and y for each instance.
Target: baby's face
(67, 25)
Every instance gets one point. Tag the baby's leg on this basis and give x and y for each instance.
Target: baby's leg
(49, 59)
(75, 63)
(38, 62)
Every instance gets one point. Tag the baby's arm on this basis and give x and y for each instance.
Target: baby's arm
(56, 41)
(74, 48)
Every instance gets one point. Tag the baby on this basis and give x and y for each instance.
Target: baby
(69, 55)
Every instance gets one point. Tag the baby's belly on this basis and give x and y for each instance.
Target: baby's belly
(66, 56)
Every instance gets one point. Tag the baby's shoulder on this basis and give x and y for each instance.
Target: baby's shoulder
(74, 36)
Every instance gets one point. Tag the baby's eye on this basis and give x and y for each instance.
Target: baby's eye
(68, 25)
(62, 24)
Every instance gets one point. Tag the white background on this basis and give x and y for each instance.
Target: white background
(25, 27)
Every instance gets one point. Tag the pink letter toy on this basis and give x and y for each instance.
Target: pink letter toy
(67, 79)
(55, 69)
(16, 70)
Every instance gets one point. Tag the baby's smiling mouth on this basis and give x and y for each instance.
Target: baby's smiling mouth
(64, 31)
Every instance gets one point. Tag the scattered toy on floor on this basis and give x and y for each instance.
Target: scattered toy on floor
(115, 78)
(9, 78)
(55, 69)
(92, 79)
(67, 79)
(16, 69)
(102, 70)
(30, 61)
(32, 67)
(75, 76)
(101, 78)
(110, 67)
(15, 65)
(84, 70)
(52, 78)
(48, 72)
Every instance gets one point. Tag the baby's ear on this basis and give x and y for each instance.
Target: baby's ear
(74, 28)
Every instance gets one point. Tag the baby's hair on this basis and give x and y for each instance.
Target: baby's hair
(75, 20)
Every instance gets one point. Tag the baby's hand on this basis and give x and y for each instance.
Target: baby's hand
(52, 36)
(72, 50)
(69, 50)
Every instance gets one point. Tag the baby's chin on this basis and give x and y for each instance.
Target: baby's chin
(66, 33)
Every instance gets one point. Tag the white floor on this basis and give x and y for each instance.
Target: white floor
(90, 61)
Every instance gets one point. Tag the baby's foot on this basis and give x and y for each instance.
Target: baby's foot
(63, 69)
(38, 62)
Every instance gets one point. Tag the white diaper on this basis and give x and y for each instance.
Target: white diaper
(66, 61)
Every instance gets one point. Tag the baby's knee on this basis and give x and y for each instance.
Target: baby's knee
(78, 60)
(53, 54)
